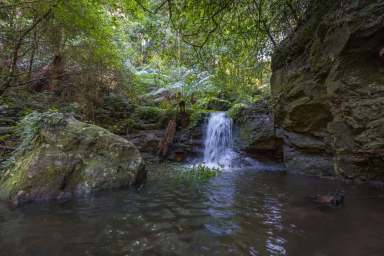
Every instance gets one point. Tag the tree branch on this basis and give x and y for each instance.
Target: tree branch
(6, 84)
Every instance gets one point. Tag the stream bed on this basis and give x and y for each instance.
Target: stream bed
(239, 212)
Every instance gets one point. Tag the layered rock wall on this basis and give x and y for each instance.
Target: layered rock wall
(328, 83)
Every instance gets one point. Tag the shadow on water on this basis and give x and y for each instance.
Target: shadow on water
(243, 212)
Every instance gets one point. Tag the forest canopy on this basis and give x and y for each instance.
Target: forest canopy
(86, 47)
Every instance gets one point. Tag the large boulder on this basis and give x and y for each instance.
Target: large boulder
(61, 157)
(328, 83)
(254, 130)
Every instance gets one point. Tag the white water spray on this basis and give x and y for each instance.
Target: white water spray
(218, 151)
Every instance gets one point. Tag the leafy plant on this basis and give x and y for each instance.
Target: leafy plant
(236, 109)
(148, 113)
(199, 172)
(28, 130)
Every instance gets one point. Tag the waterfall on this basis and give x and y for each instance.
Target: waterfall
(218, 142)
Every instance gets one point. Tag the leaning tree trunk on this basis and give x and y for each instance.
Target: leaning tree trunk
(167, 139)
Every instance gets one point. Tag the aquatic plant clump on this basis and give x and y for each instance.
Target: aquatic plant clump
(198, 172)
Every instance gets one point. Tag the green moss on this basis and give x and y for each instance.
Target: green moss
(235, 110)
(15, 178)
(195, 116)
(29, 128)
(198, 172)
(148, 113)
(214, 103)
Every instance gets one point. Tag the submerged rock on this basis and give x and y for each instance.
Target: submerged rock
(328, 84)
(332, 199)
(61, 157)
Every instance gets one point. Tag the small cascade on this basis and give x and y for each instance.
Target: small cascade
(218, 151)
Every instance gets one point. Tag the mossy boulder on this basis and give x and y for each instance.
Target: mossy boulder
(61, 157)
(235, 111)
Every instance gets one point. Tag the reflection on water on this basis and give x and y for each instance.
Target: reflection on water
(273, 219)
(244, 212)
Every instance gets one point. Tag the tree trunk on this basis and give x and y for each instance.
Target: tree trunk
(58, 62)
(167, 139)
(32, 57)
(15, 55)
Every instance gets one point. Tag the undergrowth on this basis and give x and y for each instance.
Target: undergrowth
(28, 131)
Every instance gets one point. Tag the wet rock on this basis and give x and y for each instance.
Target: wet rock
(332, 199)
(66, 158)
(146, 141)
(187, 143)
(329, 87)
(255, 132)
(377, 184)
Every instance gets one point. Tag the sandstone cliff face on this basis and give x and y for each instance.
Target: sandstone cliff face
(328, 82)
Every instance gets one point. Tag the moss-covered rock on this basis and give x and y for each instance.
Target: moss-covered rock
(61, 157)
(217, 104)
(235, 111)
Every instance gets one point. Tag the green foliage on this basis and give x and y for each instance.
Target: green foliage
(236, 109)
(70, 108)
(150, 78)
(28, 130)
(198, 172)
(213, 103)
(148, 113)
(195, 116)
(208, 49)
(30, 126)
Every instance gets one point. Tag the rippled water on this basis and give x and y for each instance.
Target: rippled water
(244, 212)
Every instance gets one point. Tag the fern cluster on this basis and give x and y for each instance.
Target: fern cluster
(28, 131)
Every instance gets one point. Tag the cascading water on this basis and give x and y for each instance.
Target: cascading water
(218, 142)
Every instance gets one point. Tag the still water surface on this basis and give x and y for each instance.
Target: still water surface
(243, 212)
